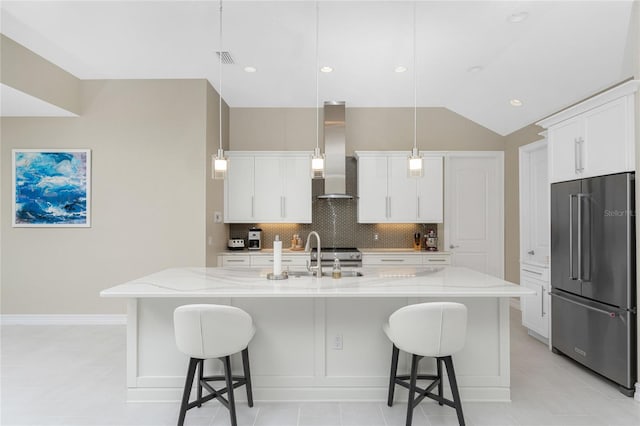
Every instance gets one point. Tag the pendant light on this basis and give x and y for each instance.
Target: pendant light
(416, 168)
(220, 162)
(317, 161)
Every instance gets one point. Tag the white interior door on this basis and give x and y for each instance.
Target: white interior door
(534, 204)
(474, 224)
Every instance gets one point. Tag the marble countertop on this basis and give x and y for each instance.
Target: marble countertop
(375, 282)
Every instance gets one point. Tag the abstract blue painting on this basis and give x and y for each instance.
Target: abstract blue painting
(51, 188)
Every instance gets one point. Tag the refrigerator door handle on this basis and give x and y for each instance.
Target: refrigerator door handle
(580, 253)
(610, 314)
(571, 196)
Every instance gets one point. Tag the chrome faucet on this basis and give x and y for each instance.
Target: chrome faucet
(318, 268)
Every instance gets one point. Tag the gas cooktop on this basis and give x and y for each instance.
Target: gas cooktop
(349, 256)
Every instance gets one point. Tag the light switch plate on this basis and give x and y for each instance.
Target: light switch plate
(217, 217)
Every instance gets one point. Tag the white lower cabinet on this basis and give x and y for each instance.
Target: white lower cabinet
(536, 308)
(233, 260)
(436, 258)
(391, 259)
(262, 260)
(417, 258)
(293, 262)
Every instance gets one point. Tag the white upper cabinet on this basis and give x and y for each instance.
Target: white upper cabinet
(595, 137)
(386, 193)
(430, 190)
(401, 191)
(238, 190)
(372, 189)
(268, 187)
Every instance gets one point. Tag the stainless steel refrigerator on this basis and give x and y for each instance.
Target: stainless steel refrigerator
(593, 275)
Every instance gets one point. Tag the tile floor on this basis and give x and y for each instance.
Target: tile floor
(74, 375)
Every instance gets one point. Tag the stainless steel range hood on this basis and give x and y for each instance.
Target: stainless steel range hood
(335, 182)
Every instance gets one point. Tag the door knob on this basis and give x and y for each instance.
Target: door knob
(452, 246)
(531, 252)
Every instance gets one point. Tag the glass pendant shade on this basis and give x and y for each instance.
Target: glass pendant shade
(317, 164)
(220, 165)
(416, 168)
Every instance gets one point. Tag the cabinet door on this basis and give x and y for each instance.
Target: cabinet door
(606, 134)
(268, 189)
(296, 202)
(534, 307)
(434, 259)
(401, 190)
(391, 259)
(372, 189)
(430, 190)
(238, 190)
(235, 261)
(566, 139)
(534, 205)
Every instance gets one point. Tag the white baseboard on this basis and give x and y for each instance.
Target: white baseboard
(64, 319)
(515, 303)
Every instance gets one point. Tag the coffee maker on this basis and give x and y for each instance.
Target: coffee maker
(255, 239)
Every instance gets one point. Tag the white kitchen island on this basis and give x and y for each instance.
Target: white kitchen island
(316, 339)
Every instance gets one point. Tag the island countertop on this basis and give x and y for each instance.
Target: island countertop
(375, 282)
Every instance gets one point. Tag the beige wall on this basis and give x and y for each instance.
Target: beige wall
(367, 129)
(438, 129)
(514, 141)
(23, 70)
(277, 129)
(148, 142)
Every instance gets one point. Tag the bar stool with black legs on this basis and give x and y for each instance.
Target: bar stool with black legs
(213, 331)
(435, 330)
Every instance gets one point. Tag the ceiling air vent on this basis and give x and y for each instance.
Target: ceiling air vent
(227, 59)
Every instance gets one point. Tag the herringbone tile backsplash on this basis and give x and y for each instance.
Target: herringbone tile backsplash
(336, 222)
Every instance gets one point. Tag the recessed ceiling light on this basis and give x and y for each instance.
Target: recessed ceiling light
(400, 68)
(326, 69)
(250, 69)
(475, 69)
(515, 102)
(517, 17)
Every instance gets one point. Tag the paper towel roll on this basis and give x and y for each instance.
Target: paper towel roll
(277, 256)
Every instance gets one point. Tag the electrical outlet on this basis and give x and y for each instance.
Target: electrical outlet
(210, 240)
(217, 217)
(337, 342)
(376, 237)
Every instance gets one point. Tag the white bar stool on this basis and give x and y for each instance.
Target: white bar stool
(434, 330)
(213, 331)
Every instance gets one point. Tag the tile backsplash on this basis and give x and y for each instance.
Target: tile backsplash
(335, 220)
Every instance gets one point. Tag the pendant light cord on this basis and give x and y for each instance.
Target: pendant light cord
(220, 79)
(415, 79)
(317, 79)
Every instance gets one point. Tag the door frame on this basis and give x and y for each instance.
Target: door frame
(499, 157)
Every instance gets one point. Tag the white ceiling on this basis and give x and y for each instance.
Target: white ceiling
(562, 53)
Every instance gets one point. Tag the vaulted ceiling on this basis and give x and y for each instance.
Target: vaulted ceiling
(469, 56)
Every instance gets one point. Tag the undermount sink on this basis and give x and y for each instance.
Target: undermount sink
(345, 274)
